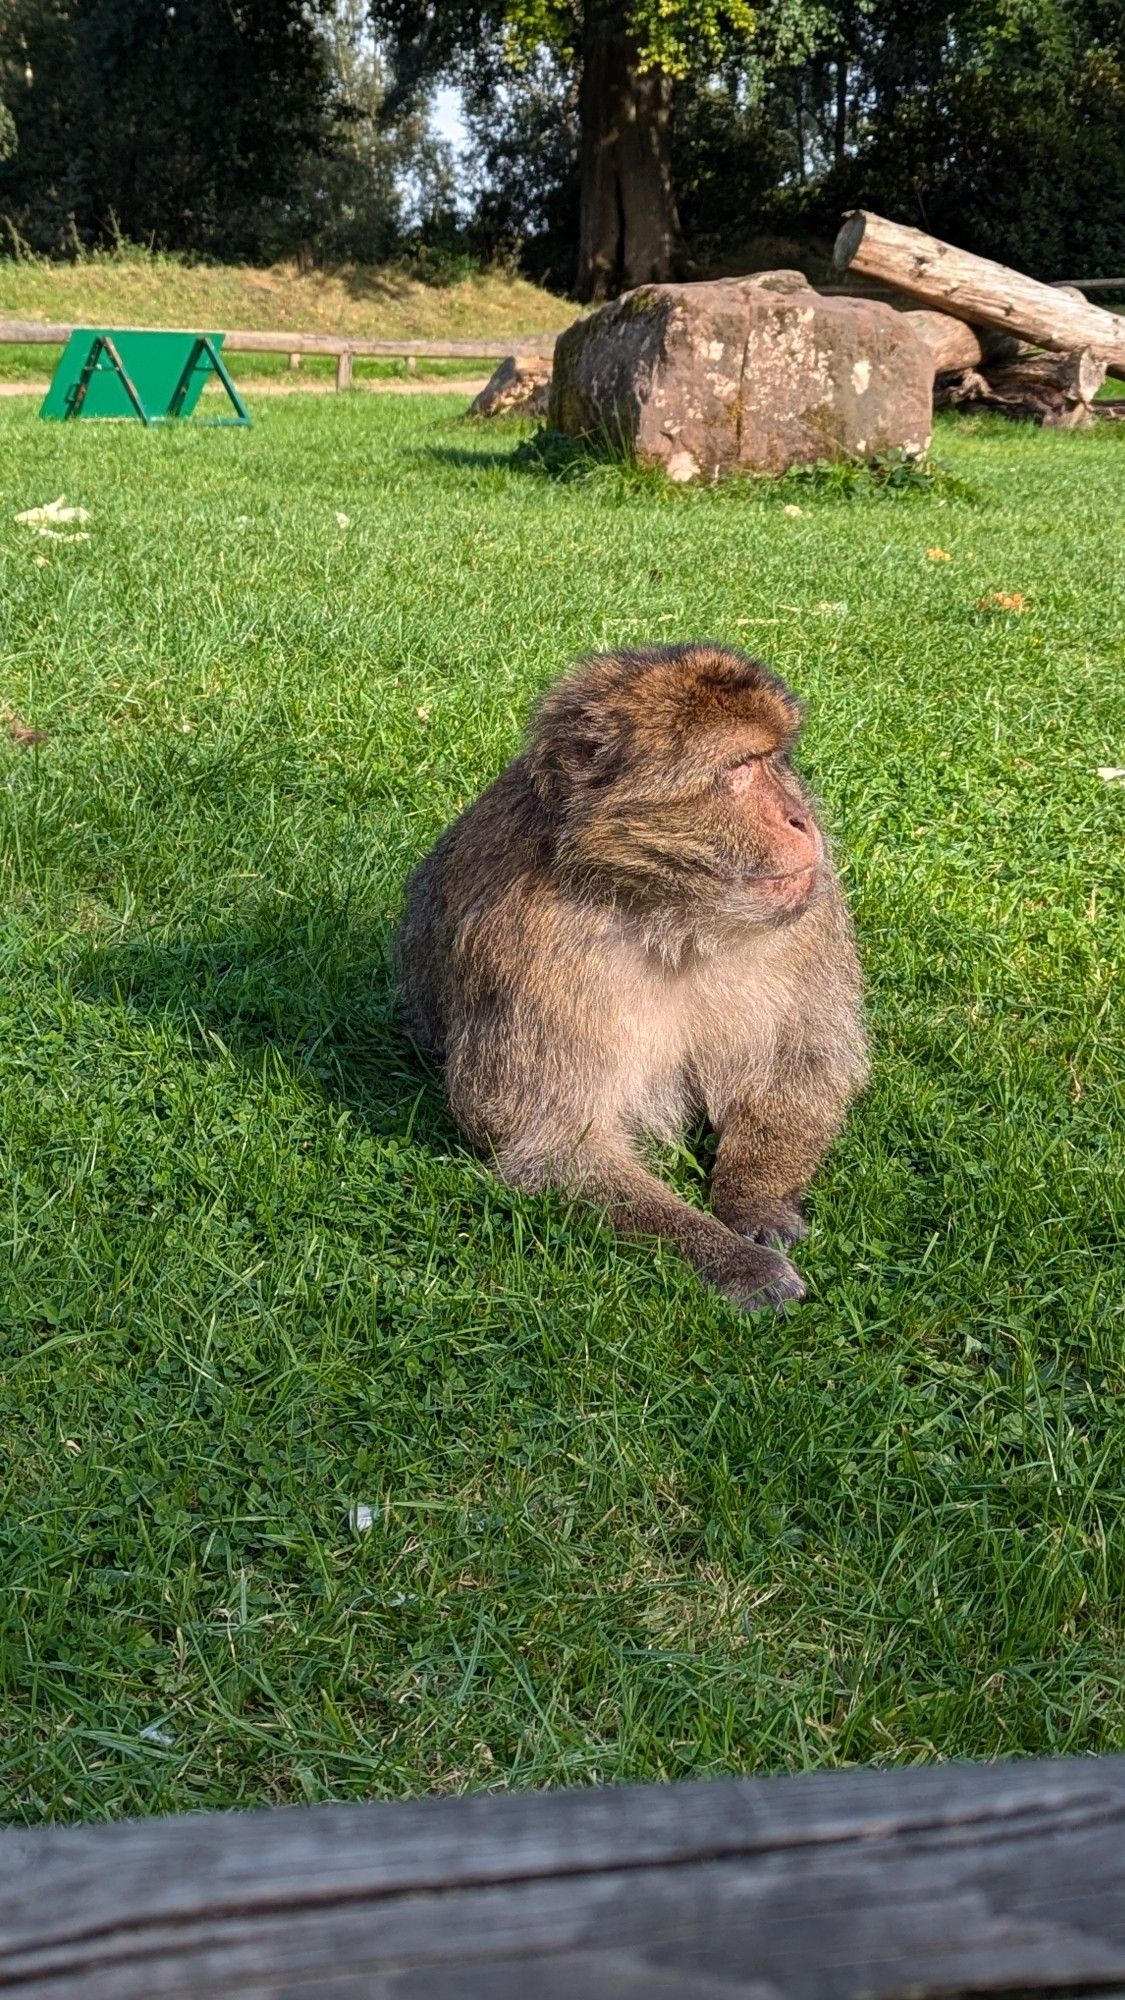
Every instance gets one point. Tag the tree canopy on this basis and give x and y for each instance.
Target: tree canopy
(665, 134)
(237, 128)
(613, 141)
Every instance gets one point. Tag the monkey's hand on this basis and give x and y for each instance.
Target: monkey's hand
(763, 1218)
(754, 1277)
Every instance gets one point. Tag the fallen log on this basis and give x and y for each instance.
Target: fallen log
(975, 289)
(954, 344)
(1055, 390)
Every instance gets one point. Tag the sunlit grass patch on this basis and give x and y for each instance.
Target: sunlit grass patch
(253, 1278)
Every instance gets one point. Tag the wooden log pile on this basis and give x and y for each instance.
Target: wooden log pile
(984, 323)
(1055, 390)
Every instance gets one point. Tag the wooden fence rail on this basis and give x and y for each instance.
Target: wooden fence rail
(864, 1885)
(28, 333)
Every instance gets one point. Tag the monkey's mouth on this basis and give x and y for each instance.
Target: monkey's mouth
(790, 875)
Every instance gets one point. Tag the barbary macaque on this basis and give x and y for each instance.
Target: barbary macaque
(639, 922)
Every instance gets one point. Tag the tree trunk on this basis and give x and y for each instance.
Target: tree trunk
(973, 288)
(629, 232)
(840, 131)
(1055, 390)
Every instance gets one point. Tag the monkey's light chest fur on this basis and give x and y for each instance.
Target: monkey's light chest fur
(680, 1039)
(638, 922)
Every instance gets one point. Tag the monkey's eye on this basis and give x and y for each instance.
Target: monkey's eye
(738, 777)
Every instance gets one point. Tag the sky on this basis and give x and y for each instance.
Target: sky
(448, 122)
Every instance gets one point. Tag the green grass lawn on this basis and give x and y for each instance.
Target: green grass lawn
(252, 1278)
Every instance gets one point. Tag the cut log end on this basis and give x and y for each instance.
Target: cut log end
(1090, 373)
(849, 239)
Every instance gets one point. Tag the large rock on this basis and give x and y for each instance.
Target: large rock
(744, 374)
(518, 387)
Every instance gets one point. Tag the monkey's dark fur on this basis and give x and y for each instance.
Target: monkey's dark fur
(636, 922)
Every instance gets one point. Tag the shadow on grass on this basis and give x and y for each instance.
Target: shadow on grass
(547, 454)
(604, 461)
(311, 991)
(314, 994)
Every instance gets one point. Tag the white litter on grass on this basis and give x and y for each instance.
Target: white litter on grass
(51, 520)
(155, 1734)
(343, 521)
(361, 1517)
(54, 512)
(793, 512)
(1114, 774)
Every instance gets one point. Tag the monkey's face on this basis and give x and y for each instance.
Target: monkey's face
(672, 785)
(737, 839)
(780, 844)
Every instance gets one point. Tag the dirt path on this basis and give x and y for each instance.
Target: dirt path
(434, 385)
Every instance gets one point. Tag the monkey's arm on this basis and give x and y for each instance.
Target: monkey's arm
(600, 1166)
(777, 1121)
(773, 1134)
(638, 1204)
(535, 1095)
(765, 1161)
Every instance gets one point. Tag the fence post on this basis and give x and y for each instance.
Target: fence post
(344, 369)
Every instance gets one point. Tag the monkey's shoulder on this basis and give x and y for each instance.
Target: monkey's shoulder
(489, 880)
(502, 834)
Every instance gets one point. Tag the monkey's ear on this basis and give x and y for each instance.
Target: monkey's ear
(560, 759)
(579, 756)
(568, 742)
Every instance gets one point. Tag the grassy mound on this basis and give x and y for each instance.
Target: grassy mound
(383, 302)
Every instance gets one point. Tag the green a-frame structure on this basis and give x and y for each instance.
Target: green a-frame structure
(156, 376)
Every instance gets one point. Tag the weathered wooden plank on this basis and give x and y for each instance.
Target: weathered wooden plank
(830, 1887)
(249, 342)
(33, 332)
(30, 333)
